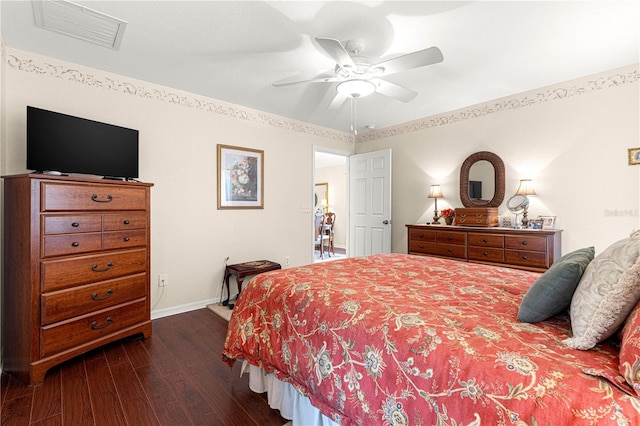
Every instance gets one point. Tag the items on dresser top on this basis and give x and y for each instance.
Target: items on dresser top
(76, 268)
(533, 250)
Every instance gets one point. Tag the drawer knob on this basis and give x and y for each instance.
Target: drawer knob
(450, 250)
(421, 235)
(525, 257)
(126, 239)
(75, 224)
(484, 240)
(421, 245)
(126, 222)
(94, 197)
(94, 268)
(524, 243)
(75, 244)
(485, 254)
(95, 326)
(94, 296)
(450, 237)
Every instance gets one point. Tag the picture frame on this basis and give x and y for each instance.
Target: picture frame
(240, 178)
(548, 222)
(536, 224)
(321, 197)
(505, 222)
(634, 156)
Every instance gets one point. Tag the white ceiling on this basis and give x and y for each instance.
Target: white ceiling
(234, 51)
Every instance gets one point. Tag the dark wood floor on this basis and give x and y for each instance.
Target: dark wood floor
(176, 377)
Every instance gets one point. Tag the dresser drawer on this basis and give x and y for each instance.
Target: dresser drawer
(486, 254)
(67, 334)
(424, 247)
(451, 237)
(127, 220)
(525, 242)
(452, 250)
(70, 224)
(75, 301)
(67, 197)
(536, 259)
(486, 240)
(60, 245)
(124, 239)
(61, 273)
(422, 235)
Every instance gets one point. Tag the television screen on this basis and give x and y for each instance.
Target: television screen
(475, 189)
(62, 143)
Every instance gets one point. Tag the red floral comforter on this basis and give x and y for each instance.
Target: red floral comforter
(396, 339)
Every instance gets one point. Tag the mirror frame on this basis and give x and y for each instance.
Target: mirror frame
(321, 192)
(498, 167)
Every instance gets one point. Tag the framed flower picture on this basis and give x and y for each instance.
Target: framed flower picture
(240, 178)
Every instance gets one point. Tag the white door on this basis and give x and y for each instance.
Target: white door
(370, 203)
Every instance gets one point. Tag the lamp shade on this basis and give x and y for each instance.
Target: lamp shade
(526, 187)
(435, 192)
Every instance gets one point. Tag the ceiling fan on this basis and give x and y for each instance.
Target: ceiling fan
(359, 76)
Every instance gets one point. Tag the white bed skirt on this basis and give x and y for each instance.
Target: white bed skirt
(283, 397)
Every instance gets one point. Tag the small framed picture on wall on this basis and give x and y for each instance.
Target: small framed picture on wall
(634, 156)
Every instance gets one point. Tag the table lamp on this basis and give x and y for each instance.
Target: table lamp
(436, 193)
(526, 189)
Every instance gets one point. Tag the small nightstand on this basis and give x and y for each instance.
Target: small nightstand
(243, 270)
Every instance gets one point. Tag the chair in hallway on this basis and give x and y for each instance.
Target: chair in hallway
(321, 237)
(330, 224)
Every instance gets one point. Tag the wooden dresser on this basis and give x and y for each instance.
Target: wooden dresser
(75, 268)
(530, 249)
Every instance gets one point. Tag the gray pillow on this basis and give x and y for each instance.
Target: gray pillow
(552, 292)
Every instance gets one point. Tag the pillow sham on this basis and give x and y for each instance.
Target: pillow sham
(552, 292)
(606, 293)
(630, 350)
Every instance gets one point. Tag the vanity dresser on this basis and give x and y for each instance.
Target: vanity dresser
(75, 268)
(480, 239)
(530, 249)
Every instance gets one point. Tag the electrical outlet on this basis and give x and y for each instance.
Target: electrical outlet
(163, 280)
(286, 260)
(306, 208)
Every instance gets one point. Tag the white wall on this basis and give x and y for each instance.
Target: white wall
(179, 131)
(571, 139)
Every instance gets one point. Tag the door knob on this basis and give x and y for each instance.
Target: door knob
(385, 222)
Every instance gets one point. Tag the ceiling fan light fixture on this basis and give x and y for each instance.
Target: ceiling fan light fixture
(356, 88)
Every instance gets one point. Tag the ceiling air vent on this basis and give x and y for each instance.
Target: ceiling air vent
(74, 20)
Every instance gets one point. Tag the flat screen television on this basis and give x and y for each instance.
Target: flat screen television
(62, 143)
(475, 189)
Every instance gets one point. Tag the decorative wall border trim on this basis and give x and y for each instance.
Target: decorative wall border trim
(158, 93)
(552, 93)
(128, 87)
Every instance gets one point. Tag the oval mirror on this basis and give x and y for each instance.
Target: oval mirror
(517, 203)
(482, 180)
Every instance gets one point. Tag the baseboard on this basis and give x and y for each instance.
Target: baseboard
(161, 313)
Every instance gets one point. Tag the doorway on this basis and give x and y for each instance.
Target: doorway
(331, 196)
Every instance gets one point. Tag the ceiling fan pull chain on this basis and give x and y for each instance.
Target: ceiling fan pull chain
(354, 115)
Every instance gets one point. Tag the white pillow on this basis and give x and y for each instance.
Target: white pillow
(606, 294)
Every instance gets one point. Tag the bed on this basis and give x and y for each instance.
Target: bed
(396, 339)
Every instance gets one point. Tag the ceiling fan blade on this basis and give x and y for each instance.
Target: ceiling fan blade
(336, 51)
(417, 59)
(394, 91)
(337, 101)
(313, 80)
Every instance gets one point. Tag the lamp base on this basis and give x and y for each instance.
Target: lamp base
(436, 220)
